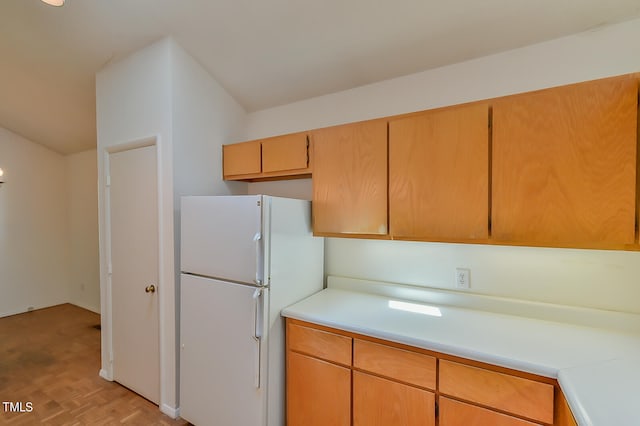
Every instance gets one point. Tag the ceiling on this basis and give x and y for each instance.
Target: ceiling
(264, 52)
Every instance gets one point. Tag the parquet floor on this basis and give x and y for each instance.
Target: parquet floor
(51, 358)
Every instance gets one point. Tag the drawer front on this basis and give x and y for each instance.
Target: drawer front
(508, 393)
(320, 344)
(456, 413)
(406, 366)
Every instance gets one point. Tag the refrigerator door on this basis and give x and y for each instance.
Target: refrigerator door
(221, 356)
(222, 237)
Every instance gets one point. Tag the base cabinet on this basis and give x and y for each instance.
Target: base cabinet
(385, 384)
(456, 413)
(515, 395)
(318, 392)
(383, 402)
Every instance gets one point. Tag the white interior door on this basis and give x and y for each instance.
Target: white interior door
(133, 197)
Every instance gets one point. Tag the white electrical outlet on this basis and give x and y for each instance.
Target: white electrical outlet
(462, 278)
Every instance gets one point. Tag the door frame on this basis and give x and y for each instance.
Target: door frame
(106, 370)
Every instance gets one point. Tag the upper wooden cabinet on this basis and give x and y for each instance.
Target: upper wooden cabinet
(439, 174)
(350, 179)
(286, 156)
(555, 168)
(241, 159)
(564, 165)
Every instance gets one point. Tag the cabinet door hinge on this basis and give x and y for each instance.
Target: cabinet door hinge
(437, 410)
(307, 150)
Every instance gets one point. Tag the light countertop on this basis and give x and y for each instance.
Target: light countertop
(597, 368)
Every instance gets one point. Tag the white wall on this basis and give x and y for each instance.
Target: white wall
(34, 237)
(84, 274)
(607, 280)
(133, 102)
(161, 91)
(204, 117)
(294, 188)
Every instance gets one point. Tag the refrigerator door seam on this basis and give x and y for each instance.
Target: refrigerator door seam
(223, 279)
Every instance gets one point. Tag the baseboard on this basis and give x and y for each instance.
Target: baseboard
(105, 375)
(174, 413)
(87, 307)
(10, 313)
(29, 309)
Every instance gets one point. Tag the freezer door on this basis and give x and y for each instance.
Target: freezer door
(221, 237)
(220, 358)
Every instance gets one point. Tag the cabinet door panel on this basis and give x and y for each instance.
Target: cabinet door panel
(382, 402)
(285, 153)
(241, 159)
(564, 165)
(350, 179)
(456, 413)
(318, 392)
(439, 174)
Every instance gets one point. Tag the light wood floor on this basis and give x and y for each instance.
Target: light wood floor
(51, 358)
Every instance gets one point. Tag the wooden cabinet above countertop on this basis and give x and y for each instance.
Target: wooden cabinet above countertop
(350, 179)
(278, 157)
(556, 167)
(439, 174)
(564, 165)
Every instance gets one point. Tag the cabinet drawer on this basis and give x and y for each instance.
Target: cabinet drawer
(320, 344)
(508, 393)
(456, 413)
(406, 366)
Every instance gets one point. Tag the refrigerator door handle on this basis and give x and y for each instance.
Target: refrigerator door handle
(257, 334)
(256, 238)
(257, 331)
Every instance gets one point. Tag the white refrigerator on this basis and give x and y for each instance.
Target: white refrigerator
(243, 259)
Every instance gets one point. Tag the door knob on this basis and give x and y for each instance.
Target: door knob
(150, 289)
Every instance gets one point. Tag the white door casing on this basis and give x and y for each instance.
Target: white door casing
(134, 266)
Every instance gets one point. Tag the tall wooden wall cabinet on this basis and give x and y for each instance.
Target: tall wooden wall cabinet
(350, 179)
(564, 165)
(439, 174)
